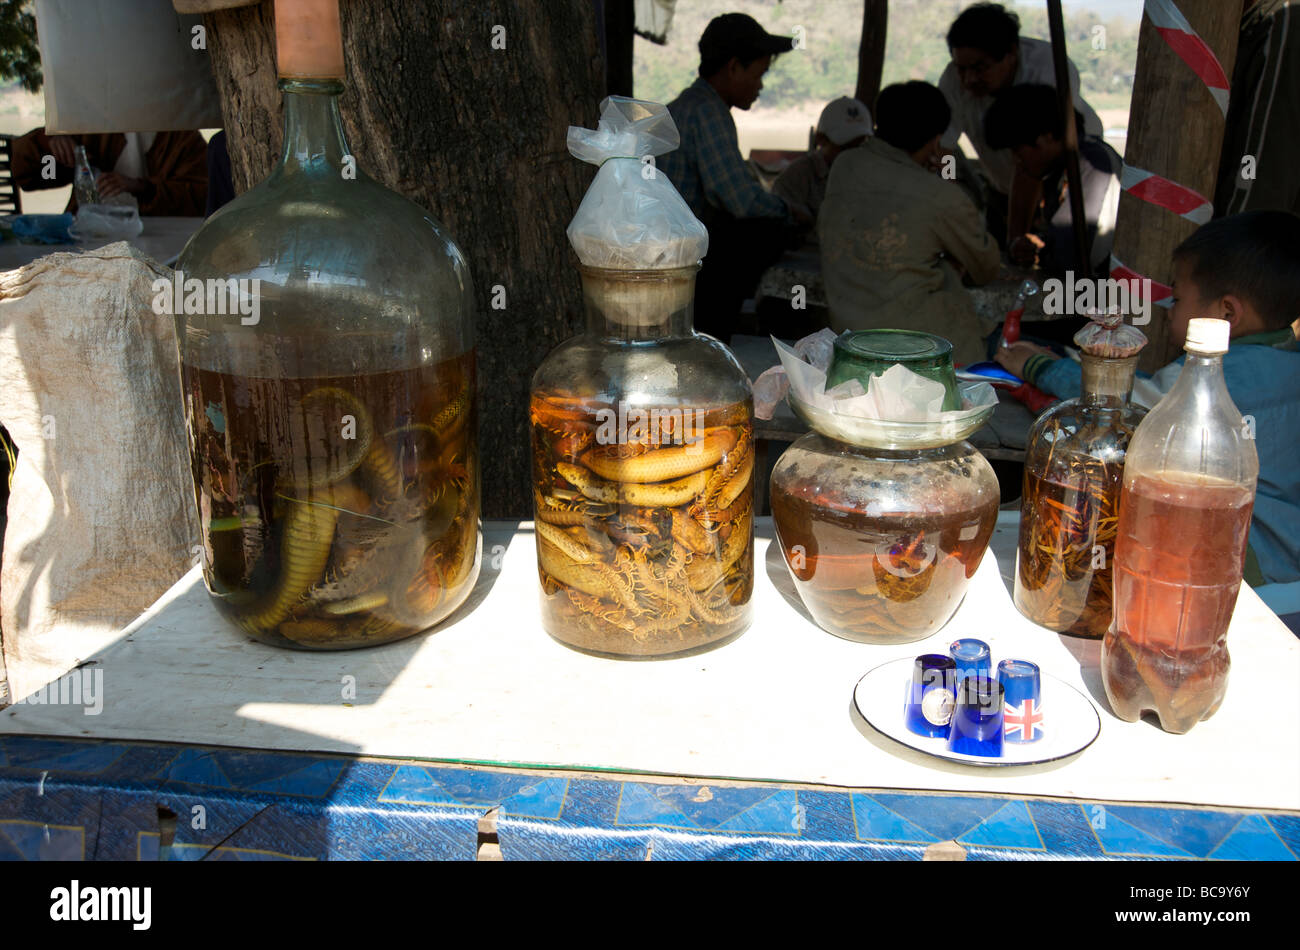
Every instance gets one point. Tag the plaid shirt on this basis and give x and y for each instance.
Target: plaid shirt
(707, 168)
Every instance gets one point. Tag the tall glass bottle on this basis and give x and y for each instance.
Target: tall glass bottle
(325, 327)
(643, 463)
(1074, 468)
(1184, 522)
(84, 188)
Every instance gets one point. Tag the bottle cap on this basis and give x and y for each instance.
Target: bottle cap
(1207, 336)
(308, 40)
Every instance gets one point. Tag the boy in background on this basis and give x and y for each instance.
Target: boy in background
(1244, 269)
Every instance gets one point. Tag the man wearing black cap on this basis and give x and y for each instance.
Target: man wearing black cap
(748, 226)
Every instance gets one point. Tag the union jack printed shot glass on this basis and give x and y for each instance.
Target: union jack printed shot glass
(1022, 713)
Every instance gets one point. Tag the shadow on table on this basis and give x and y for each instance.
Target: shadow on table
(184, 716)
(187, 662)
(779, 575)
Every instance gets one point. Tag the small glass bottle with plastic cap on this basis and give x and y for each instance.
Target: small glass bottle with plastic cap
(327, 364)
(883, 523)
(1184, 523)
(1074, 468)
(642, 428)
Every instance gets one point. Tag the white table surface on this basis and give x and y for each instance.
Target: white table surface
(776, 704)
(162, 239)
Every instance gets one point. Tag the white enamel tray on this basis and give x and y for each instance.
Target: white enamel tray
(1070, 721)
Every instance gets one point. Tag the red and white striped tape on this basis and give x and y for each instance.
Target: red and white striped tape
(1163, 295)
(1162, 192)
(1191, 49)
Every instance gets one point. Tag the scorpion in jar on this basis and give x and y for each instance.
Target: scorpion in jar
(645, 546)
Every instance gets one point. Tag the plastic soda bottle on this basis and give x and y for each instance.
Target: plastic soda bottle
(1184, 518)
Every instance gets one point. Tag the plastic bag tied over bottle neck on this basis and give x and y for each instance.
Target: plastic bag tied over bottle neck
(632, 217)
(1109, 337)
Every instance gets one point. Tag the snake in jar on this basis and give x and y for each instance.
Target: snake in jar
(314, 511)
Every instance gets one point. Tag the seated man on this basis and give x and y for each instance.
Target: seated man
(844, 123)
(989, 56)
(1027, 120)
(165, 171)
(1244, 269)
(748, 226)
(896, 237)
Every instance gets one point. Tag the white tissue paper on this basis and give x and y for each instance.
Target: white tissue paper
(900, 408)
(632, 217)
(772, 384)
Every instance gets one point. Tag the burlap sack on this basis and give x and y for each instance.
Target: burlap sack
(101, 515)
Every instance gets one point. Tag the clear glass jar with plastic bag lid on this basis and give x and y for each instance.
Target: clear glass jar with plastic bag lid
(330, 401)
(642, 428)
(643, 462)
(882, 525)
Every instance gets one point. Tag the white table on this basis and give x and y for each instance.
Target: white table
(775, 705)
(162, 239)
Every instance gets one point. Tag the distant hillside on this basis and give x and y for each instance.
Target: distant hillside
(916, 49)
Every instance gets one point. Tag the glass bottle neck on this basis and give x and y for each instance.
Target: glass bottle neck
(1203, 374)
(314, 141)
(1107, 381)
(639, 305)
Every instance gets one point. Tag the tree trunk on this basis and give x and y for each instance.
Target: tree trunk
(472, 132)
(1176, 131)
(871, 51)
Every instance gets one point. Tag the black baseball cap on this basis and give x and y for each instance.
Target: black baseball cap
(739, 35)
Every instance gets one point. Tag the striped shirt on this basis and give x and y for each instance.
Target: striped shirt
(707, 168)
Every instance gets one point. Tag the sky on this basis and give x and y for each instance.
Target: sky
(1124, 9)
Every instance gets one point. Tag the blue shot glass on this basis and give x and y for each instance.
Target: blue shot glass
(931, 695)
(1022, 690)
(976, 726)
(973, 658)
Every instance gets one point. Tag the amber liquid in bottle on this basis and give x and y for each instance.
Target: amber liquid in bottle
(644, 535)
(1180, 554)
(888, 576)
(337, 511)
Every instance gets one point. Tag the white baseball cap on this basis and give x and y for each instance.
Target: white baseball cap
(844, 120)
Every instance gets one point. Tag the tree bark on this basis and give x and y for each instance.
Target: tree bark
(476, 135)
(871, 51)
(1175, 130)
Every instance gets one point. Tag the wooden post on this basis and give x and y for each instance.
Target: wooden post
(1061, 60)
(1175, 130)
(871, 51)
